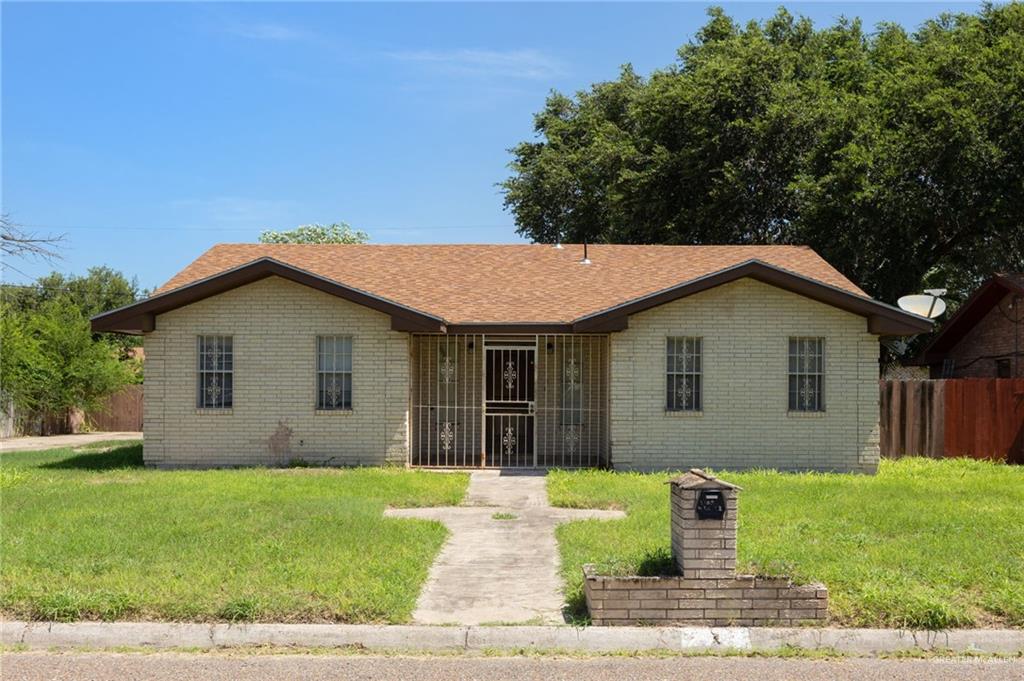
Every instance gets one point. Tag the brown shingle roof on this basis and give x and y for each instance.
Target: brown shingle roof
(522, 283)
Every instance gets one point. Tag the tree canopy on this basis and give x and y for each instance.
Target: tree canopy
(100, 289)
(335, 233)
(50, 363)
(898, 156)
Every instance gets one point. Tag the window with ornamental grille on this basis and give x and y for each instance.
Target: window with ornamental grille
(334, 372)
(215, 381)
(684, 374)
(447, 371)
(572, 387)
(807, 374)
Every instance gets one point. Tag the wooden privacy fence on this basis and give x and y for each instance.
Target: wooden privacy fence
(121, 412)
(981, 418)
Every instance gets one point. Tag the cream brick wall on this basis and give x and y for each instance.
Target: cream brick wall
(746, 327)
(275, 323)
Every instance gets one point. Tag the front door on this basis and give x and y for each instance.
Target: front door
(509, 405)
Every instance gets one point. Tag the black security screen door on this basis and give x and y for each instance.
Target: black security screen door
(509, 405)
(509, 401)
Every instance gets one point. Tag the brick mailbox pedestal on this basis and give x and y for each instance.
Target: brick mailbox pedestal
(706, 589)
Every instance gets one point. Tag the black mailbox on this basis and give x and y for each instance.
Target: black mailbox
(710, 504)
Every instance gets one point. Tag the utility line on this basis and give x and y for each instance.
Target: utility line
(252, 229)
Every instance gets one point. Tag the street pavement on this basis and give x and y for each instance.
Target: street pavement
(48, 666)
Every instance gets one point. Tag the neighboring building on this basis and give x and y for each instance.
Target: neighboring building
(985, 338)
(642, 357)
(905, 372)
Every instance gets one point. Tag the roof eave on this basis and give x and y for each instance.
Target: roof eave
(140, 317)
(977, 305)
(882, 319)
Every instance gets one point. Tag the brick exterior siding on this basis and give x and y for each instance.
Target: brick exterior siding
(745, 423)
(740, 600)
(994, 337)
(274, 324)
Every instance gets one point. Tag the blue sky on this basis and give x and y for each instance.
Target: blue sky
(147, 132)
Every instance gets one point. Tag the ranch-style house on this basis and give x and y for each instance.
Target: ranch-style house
(631, 357)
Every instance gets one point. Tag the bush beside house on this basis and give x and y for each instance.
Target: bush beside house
(52, 367)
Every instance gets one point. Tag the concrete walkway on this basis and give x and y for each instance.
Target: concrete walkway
(35, 444)
(492, 570)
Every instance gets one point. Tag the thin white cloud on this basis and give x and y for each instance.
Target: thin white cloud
(268, 31)
(527, 64)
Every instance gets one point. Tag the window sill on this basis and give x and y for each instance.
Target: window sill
(684, 413)
(214, 412)
(331, 412)
(806, 414)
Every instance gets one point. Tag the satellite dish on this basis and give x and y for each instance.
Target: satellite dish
(924, 305)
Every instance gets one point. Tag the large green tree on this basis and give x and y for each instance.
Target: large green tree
(100, 289)
(334, 233)
(898, 156)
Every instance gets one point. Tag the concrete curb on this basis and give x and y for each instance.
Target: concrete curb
(477, 638)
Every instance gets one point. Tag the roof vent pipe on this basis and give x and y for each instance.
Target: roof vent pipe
(586, 260)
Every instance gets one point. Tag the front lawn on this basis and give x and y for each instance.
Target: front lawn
(925, 543)
(93, 535)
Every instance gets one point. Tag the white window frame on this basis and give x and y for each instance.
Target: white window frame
(684, 361)
(806, 374)
(215, 372)
(331, 366)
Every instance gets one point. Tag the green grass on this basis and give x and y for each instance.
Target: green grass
(90, 534)
(924, 544)
(503, 515)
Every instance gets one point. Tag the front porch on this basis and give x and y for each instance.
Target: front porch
(509, 401)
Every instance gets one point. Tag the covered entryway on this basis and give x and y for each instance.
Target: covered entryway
(509, 401)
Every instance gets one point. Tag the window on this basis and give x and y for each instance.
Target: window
(683, 387)
(1003, 368)
(215, 384)
(572, 387)
(447, 371)
(334, 372)
(807, 374)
